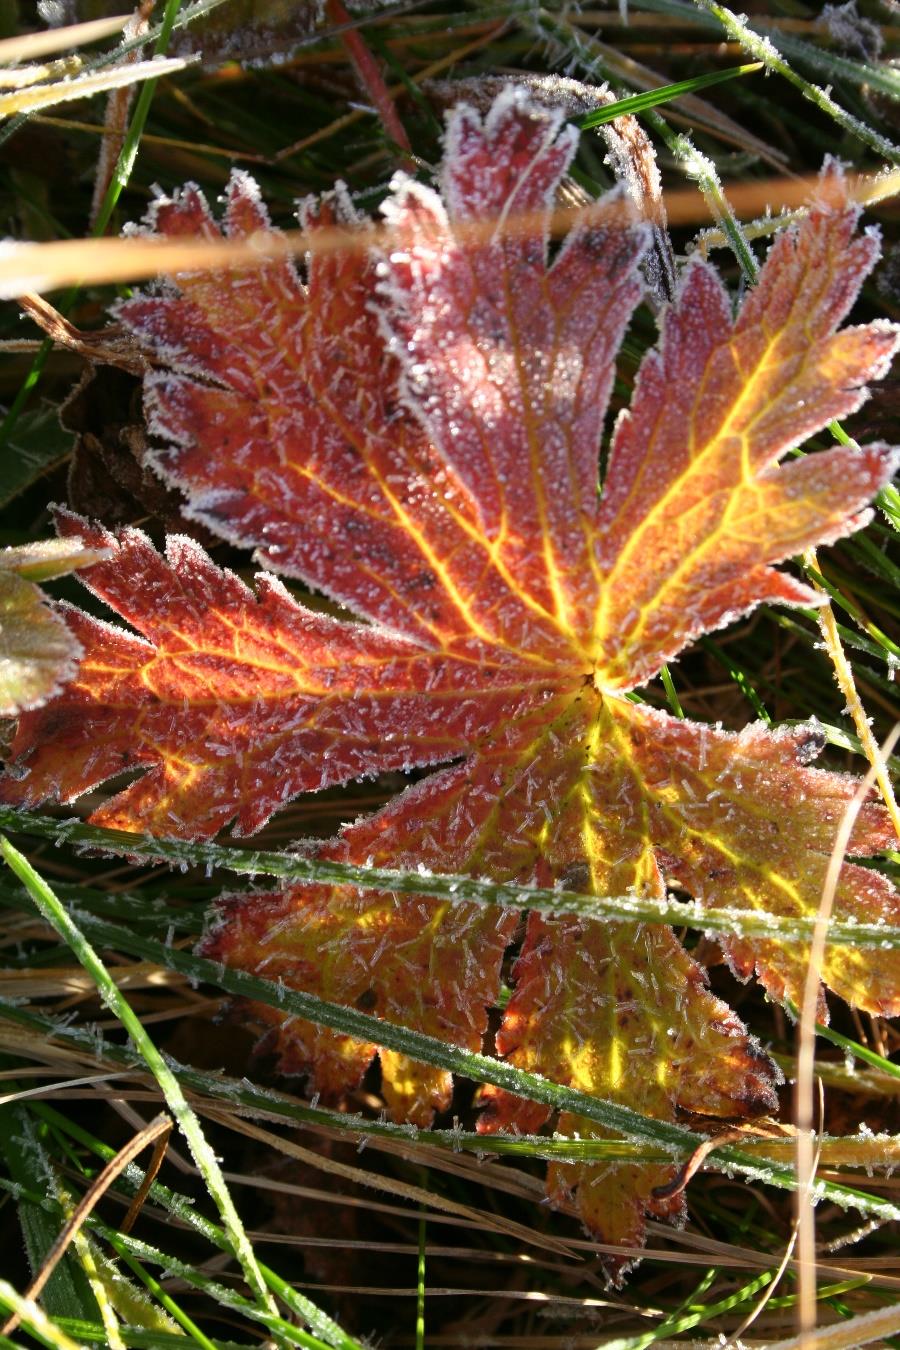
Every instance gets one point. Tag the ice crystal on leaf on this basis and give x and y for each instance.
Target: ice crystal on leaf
(417, 435)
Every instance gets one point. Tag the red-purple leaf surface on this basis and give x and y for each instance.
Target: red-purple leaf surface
(417, 435)
(236, 702)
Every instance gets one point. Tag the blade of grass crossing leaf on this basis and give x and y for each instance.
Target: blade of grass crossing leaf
(272, 1103)
(845, 739)
(851, 638)
(269, 1103)
(843, 672)
(483, 1069)
(830, 630)
(57, 916)
(639, 103)
(873, 561)
(457, 889)
(850, 608)
(806, 1099)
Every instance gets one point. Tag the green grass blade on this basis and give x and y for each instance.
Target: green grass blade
(269, 1103)
(92, 1332)
(763, 49)
(456, 889)
(639, 103)
(854, 1048)
(135, 1253)
(739, 675)
(33, 1319)
(182, 1208)
(481, 1068)
(673, 1326)
(874, 76)
(67, 1293)
(128, 153)
(155, 1289)
(671, 692)
(40, 443)
(140, 1339)
(889, 647)
(60, 919)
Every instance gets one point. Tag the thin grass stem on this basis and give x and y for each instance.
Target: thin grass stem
(60, 919)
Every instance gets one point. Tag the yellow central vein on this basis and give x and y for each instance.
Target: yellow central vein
(749, 396)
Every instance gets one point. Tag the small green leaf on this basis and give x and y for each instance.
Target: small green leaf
(38, 654)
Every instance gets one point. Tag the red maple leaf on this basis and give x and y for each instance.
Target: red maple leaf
(417, 436)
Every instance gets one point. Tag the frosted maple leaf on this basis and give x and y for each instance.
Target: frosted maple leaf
(417, 436)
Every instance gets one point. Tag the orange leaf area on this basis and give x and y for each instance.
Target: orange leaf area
(237, 702)
(624, 1014)
(417, 435)
(629, 799)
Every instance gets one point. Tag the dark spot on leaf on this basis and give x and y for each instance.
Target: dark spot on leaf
(576, 877)
(422, 581)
